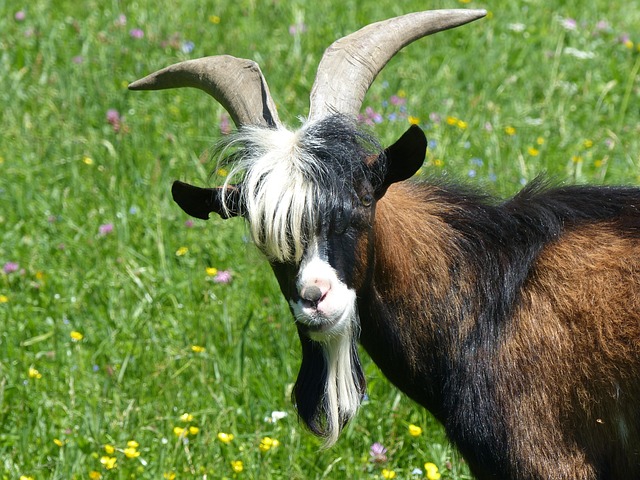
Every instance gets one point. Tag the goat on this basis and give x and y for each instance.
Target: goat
(516, 323)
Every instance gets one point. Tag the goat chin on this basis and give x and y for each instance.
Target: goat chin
(342, 391)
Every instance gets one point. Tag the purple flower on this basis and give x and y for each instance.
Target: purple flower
(223, 276)
(187, 47)
(297, 28)
(136, 33)
(569, 24)
(378, 453)
(121, 21)
(105, 229)
(188, 223)
(113, 117)
(10, 267)
(78, 59)
(20, 16)
(396, 100)
(225, 124)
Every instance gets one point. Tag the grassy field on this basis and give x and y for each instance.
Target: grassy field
(135, 343)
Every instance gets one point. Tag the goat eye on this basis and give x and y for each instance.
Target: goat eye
(366, 200)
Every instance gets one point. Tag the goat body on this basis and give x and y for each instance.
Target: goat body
(515, 324)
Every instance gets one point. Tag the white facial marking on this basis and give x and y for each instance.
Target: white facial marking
(328, 307)
(326, 304)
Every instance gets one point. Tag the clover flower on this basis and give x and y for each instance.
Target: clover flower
(223, 276)
(105, 229)
(378, 453)
(10, 267)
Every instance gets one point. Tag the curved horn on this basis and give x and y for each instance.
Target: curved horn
(236, 83)
(356, 60)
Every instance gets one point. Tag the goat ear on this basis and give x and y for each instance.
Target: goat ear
(404, 158)
(200, 202)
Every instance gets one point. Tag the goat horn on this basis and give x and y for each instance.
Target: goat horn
(350, 64)
(236, 83)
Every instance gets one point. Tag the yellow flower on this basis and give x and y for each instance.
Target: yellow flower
(108, 462)
(76, 336)
(462, 125)
(402, 93)
(193, 430)
(186, 417)
(169, 476)
(58, 442)
(131, 452)
(452, 120)
(267, 443)
(414, 120)
(510, 131)
(180, 432)
(414, 430)
(237, 466)
(628, 44)
(132, 444)
(93, 475)
(214, 19)
(182, 251)
(197, 348)
(4, 299)
(25, 477)
(211, 271)
(225, 437)
(438, 163)
(222, 172)
(109, 449)
(87, 160)
(540, 140)
(534, 152)
(432, 471)
(388, 473)
(588, 143)
(598, 163)
(33, 373)
(576, 159)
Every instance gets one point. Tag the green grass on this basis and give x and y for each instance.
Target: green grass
(502, 101)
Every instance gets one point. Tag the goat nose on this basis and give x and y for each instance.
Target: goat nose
(311, 294)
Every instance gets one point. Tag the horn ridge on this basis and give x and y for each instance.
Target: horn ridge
(237, 84)
(357, 58)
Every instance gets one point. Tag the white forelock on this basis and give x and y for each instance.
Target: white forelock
(277, 192)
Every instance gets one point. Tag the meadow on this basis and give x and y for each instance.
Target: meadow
(136, 342)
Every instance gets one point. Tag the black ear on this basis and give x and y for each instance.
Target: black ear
(404, 158)
(200, 202)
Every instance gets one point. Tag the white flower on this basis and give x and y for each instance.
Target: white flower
(581, 54)
(275, 416)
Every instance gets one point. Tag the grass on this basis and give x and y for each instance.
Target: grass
(91, 243)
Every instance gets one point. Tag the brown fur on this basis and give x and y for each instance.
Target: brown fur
(567, 365)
